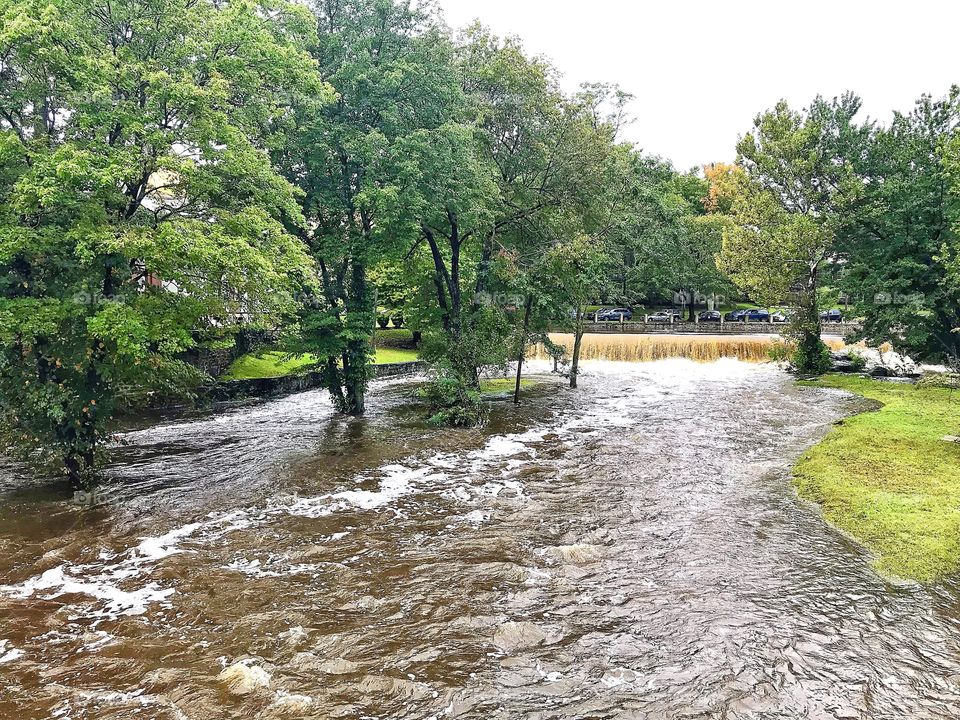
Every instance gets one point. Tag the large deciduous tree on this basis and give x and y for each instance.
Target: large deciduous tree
(139, 215)
(788, 210)
(390, 64)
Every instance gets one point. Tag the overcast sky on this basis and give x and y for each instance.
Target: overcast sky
(701, 70)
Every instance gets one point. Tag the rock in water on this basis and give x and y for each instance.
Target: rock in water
(517, 635)
(241, 679)
(288, 705)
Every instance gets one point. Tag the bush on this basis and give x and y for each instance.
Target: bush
(394, 338)
(779, 352)
(857, 361)
(949, 381)
(453, 401)
(812, 357)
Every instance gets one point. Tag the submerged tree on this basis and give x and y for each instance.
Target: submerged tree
(390, 66)
(138, 217)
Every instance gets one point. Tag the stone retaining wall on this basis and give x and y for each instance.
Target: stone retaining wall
(290, 384)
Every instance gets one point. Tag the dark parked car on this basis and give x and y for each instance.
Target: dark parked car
(831, 316)
(709, 316)
(735, 316)
(614, 314)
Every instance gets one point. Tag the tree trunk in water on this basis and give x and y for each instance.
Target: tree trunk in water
(577, 344)
(523, 347)
(356, 358)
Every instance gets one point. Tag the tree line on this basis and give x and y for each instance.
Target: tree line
(822, 202)
(175, 171)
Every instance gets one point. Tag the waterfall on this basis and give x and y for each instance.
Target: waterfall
(643, 348)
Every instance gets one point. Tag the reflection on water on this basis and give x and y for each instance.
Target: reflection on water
(629, 550)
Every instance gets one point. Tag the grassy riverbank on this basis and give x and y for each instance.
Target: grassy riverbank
(502, 385)
(889, 479)
(271, 364)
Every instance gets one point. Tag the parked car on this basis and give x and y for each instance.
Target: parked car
(757, 315)
(664, 316)
(709, 316)
(735, 316)
(614, 314)
(779, 317)
(831, 316)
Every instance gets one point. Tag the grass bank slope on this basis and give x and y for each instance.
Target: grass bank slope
(271, 363)
(889, 479)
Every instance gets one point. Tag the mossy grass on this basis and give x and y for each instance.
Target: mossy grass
(266, 364)
(889, 479)
(272, 363)
(500, 385)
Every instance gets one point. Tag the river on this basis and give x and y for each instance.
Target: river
(632, 549)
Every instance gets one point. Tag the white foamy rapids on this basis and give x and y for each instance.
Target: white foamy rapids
(8, 653)
(462, 478)
(107, 582)
(57, 582)
(397, 481)
(157, 548)
(273, 567)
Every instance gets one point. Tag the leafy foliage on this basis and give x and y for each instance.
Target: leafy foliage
(139, 217)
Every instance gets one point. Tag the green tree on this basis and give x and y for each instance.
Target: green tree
(899, 238)
(390, 66)
(679, 242)
(139, 215)
(772, 254)
(578, 268)
(477, 188)
(787, 215)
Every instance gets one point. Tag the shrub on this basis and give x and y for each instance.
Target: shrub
(812, 357)
(779, 352)
(857, 361)
(394, 338)
(950, 381)
(452, 399)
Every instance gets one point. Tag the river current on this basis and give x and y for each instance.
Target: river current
(632, 549)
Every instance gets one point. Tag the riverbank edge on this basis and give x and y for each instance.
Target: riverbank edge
(888, 479)
(284, 385)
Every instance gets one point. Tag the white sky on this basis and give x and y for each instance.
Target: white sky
(701, 71)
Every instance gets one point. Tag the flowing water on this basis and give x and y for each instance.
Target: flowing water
(645, 348)
(632, 549)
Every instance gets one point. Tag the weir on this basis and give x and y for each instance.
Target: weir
(645, 348)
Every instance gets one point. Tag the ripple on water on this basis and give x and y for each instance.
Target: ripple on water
(633, 549)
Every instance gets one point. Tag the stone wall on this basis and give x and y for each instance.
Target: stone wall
(290, 384)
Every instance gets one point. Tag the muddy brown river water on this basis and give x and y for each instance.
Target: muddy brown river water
(630, 550)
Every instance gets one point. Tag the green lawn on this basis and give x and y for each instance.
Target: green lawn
(889, 479)
(394, 355)
(271, 363)
(499, 385)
